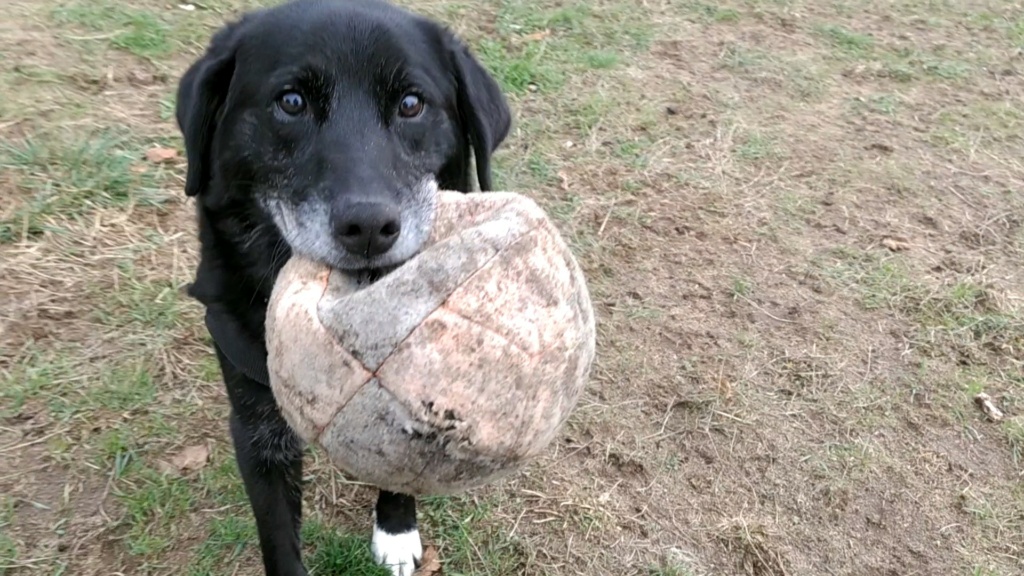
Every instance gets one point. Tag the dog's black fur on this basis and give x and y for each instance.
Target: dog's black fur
(303, 125)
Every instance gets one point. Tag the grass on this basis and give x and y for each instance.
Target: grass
(756, 147)
(228, 537)
(886, 104)
(8, 547)
(154, 504)
(337, 554)
(1014, 430)
(847, 41)
(670, 570)
(798, 223)
(474, 541)
(521, 71)
(965, 316)
(70, 178)
(880, 280)
(136, 31)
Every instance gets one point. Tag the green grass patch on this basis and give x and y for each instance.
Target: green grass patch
(1013, 428)
(71, 177)
(878, 280)
(601, 59)
(227, 538)
(906, 64)
(566, 209)
(123, 388)
(846, 41)
(633, 152)
(8, 547)
(522, 172)
(1015, 31)
(978, 124)
(897, 71)
(945, 69)
(740, 288)
(336, 553)
(71, 385)
(134, 30)
(995, 514)
(154, 306)
(154, 504)
(965, 318)
(221, 483)
(756, 147)
(740, 58)
(589, 113)
(885, 104)
(968, 317)
(45, 375)
(519, 70)
(538, 44)
(470, 541)
(670, 569)
(708, 13)
(577, 25)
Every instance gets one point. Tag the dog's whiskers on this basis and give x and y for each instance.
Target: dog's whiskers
(279, 250)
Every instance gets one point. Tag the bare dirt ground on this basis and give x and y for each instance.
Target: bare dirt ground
(802, 222)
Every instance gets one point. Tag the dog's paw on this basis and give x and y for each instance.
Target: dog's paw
(399, 552)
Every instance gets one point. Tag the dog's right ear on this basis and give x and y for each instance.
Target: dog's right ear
(201, 94)
(482, 106)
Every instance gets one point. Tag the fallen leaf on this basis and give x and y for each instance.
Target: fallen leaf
(984, 401)
(160, 155)
(896, 244)
(536, 36)
(140, 78)
(190, 459)
(564, 180)
(430, 564)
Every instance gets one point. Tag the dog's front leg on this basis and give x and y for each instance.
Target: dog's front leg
(269, 456)
(396, 538)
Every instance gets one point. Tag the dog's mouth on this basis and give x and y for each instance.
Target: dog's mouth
(368, 276)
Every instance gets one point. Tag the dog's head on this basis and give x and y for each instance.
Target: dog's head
(336, 122)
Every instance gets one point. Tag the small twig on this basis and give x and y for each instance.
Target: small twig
(516, 525)
(28, 562)
(664, 422)
(95, 37)
(765, 312)
(29, 443)
(731, 417)
(604, 222)
(867, 371)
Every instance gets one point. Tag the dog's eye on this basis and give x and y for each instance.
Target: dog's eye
(411, 106)
(291, 103)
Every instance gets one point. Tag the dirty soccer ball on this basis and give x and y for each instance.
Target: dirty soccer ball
(451, 371)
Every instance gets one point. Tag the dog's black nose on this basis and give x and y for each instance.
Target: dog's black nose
(367, 228)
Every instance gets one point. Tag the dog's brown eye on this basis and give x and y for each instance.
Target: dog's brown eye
(411, 106)
(291, 103)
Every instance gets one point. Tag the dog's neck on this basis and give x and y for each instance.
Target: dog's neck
(235, 276)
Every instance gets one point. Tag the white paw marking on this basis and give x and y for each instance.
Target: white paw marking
(399, 552)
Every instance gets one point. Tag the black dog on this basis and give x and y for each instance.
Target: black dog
(323, 128)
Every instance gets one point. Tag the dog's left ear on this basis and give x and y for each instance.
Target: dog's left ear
(201, 94)
(483, 109)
